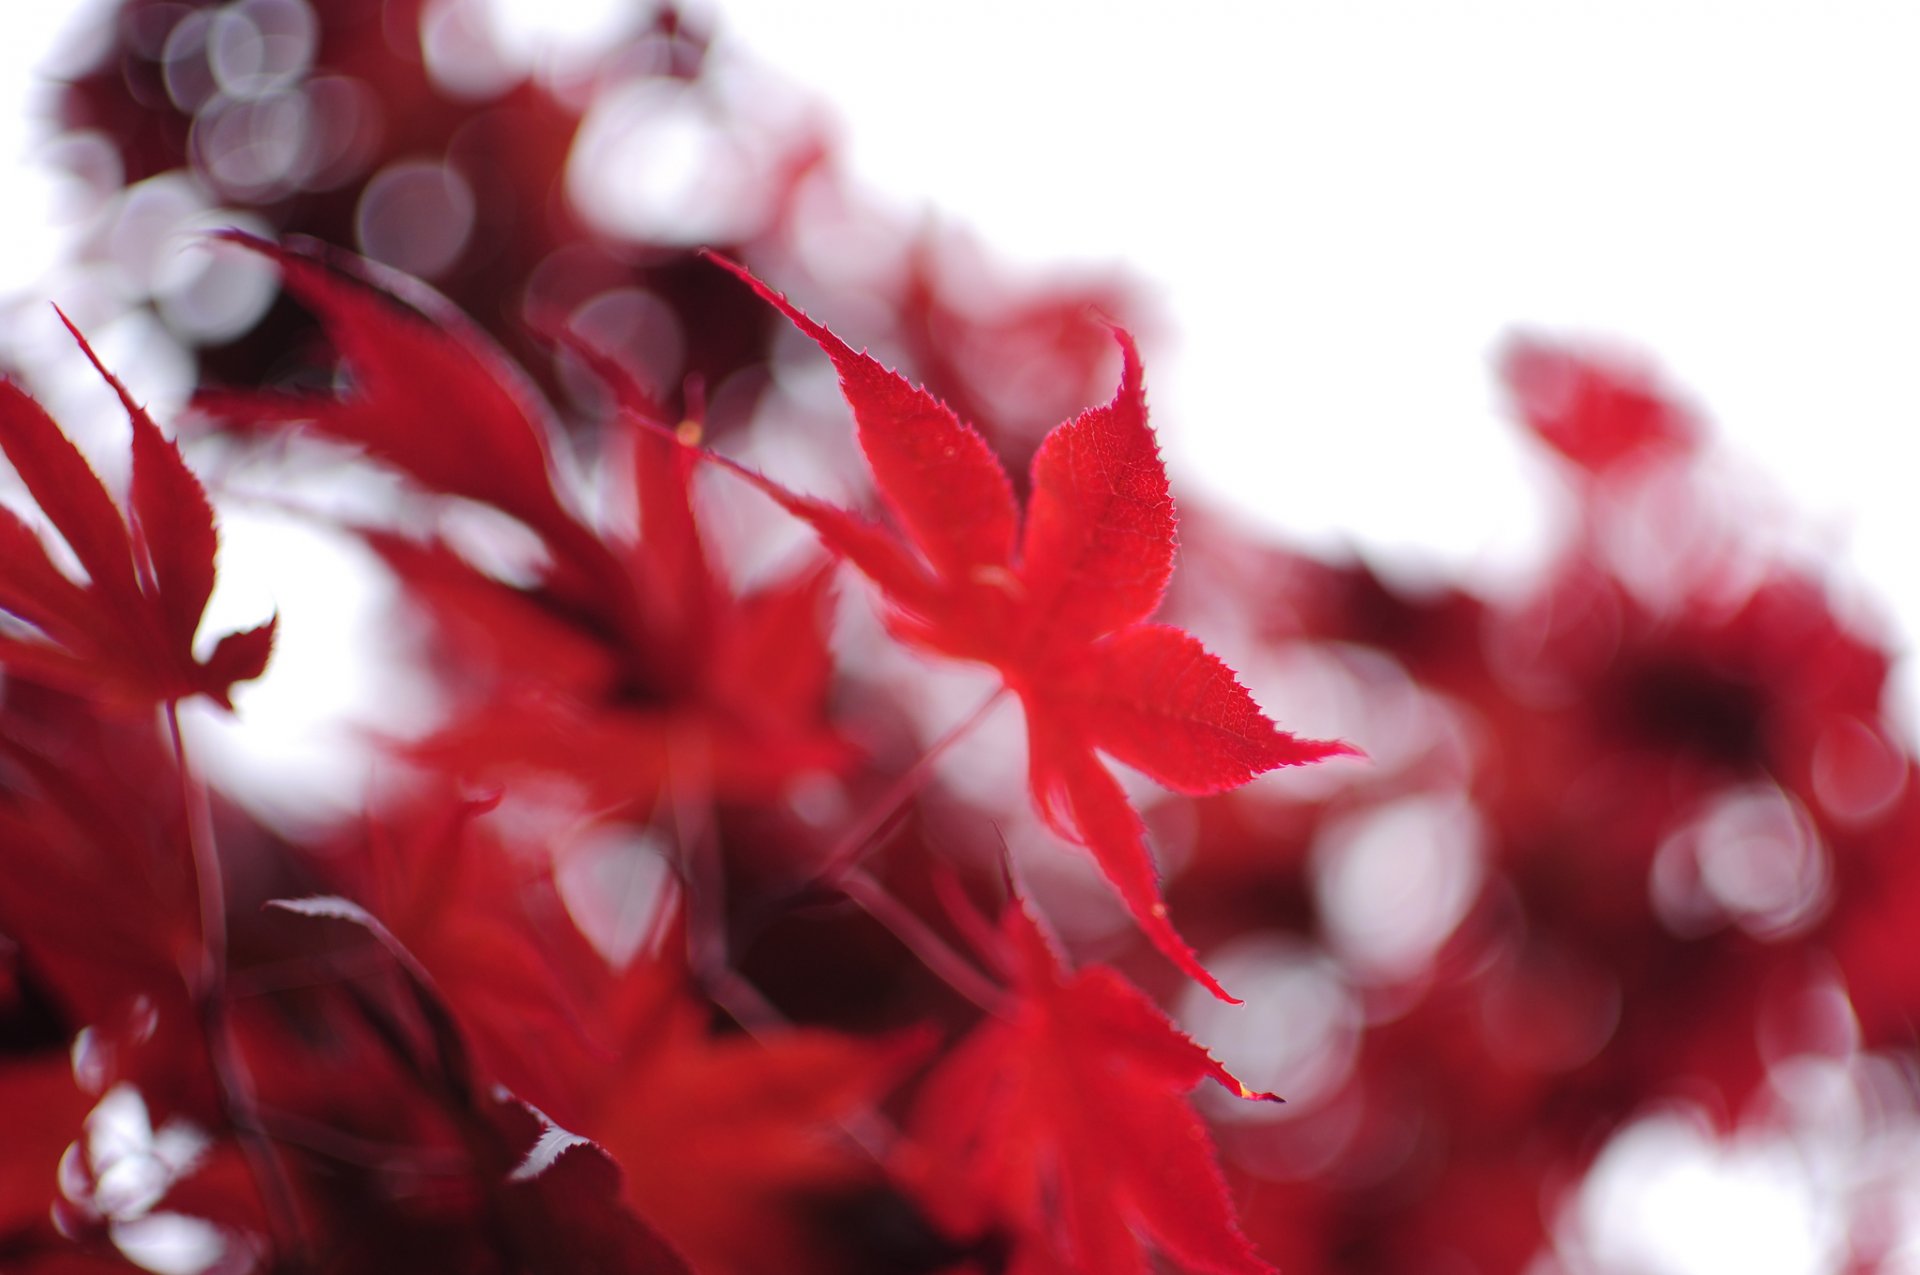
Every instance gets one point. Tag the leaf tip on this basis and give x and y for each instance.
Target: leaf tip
(732, 267)
(1163, 936)
(86, 348)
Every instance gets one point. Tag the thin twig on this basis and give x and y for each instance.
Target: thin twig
(934, 952)
(702, 875)
(976, 929)
(353, 1149)
(744, 1003)
(858, 840)
(300, 973)
(210, 996)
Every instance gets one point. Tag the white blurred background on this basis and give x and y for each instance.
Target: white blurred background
(1341, 210)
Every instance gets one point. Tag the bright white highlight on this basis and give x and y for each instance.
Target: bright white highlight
(1668, 1198)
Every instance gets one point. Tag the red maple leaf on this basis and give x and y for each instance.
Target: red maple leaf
(628, 660)
(1064, 1119)
(1058, 607)
(758, 1125)
(125, 636)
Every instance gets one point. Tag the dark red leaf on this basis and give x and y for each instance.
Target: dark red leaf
(65, 487)
(126, 634)
(427, 392)
(756, 1125)
(559, 1191)
(172, 521)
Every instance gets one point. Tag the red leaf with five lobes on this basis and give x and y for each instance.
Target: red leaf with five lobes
(741, 712)
(1065, 1121)
(1064, 623)
(125, 635)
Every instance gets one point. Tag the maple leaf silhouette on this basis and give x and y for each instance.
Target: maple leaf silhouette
(1058, 606)
(1064, 1118)
(124, 636)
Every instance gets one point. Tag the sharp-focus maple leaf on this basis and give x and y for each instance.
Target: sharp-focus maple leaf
(1058, 606)
(1064, 1120)
(126, 634)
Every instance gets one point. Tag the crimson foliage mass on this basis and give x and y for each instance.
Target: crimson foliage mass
(559, 1061)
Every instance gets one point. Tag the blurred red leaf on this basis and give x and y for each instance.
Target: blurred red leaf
(758, 1126)
(628, 652)
(427, 393)
(1597, 414)
(44, 1111)
(1065, 1119)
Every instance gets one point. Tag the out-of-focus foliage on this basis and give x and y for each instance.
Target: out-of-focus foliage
(665, 941)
